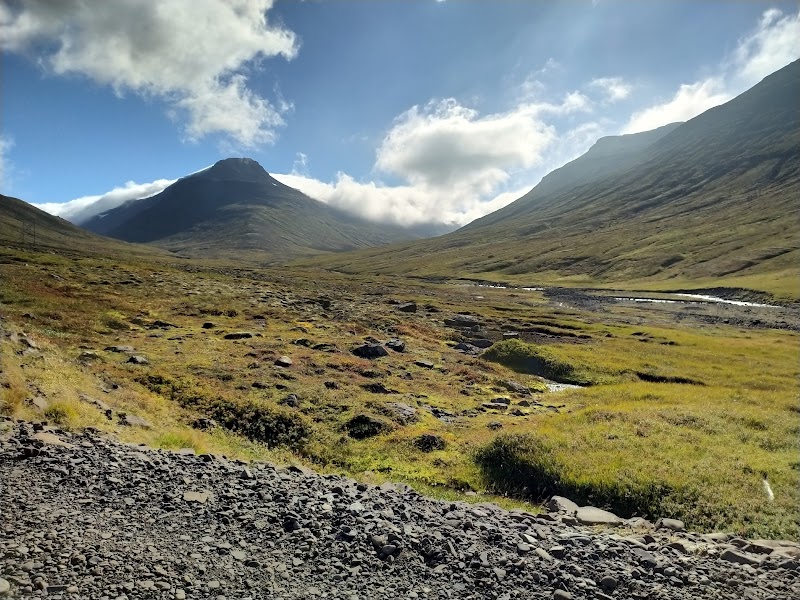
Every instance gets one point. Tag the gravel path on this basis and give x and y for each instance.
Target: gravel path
(82, 516)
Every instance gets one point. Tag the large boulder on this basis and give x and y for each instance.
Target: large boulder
(370, 351)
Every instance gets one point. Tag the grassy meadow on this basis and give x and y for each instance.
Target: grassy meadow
(681, 414)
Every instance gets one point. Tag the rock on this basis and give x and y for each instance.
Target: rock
(378, 388)
(364, 426)
(370, 351)
(404, 414)
(428, 442)
(645, 558)
(562, 595)
(238, 335)
(290, 400)
(561, 504)
(94, 402)
(517, 388)
(88, 355)
(39, 403)
(481, 343)
(133, 421)
(608, 583)
(408, 307)
(461, 320)
(425, 364)
(589, 515)
(138, 360)
(120, 349)
(283, 361)
(207, 325)
(466, 348)
(4, 586)
(396, 344)
(671, 524)
(198, 497)
(740, 558)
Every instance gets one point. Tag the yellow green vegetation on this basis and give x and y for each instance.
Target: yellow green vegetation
(683, 415)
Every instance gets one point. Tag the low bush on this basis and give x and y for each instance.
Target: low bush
(536, 360)
(526, 466)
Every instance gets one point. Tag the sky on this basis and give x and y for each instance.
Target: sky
(404, 111)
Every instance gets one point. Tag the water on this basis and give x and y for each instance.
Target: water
(697, 298)
(552, 386)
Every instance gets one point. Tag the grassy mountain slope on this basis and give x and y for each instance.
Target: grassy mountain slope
(237, 206)
(26, 227)
(714, 198)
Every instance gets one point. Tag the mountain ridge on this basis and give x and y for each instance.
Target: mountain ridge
(237, 205)
(714, 197)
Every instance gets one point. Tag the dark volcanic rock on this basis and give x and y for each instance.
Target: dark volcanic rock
(408, 307)
(371, 351)
(428, 442)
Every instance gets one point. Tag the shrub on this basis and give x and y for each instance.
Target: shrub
(536, 360)
(526, 466)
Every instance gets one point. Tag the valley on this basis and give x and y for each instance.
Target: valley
(673, 409)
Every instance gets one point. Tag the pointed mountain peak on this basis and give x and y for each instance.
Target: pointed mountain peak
(235, 169)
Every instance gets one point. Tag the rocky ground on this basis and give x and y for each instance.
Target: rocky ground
(83, 516)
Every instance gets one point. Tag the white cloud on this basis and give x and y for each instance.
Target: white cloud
(614, 88)
(6, 143)
(446, 145)
(82, 209)
(773, 44)
(190, 53)
(689, 101)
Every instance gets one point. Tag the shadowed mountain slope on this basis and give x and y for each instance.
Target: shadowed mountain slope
(25, 226)
(236, 206)
(714, 197)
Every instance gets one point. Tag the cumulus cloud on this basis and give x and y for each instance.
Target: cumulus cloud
(193, 54)
(614, 88)
(689, 101)
(773, 44)
(446, 145)
(454, 164)
(82, 209)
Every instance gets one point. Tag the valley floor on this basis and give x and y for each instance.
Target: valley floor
(684, 409)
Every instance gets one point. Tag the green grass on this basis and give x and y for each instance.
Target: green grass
(695, 452)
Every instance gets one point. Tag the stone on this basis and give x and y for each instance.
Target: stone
(589, 515)
(608, 583)
(208, 325)
(425, 364)
(370, 351)
(481, 343)
(408, 307)
(4, 586)
(238, 335)
(283, 361)
(562, 595)
(198, 497)
(561, 504)
(462, 320)
(120, 349)
(740, 558)
(671, 524)
(133, 421)
(396, 344)
(138, 360)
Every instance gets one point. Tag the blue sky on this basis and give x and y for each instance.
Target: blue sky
(407, 111)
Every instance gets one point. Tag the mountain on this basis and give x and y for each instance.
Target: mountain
(235, 206)
(609, 154)
(713, 197)
(25, 226)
